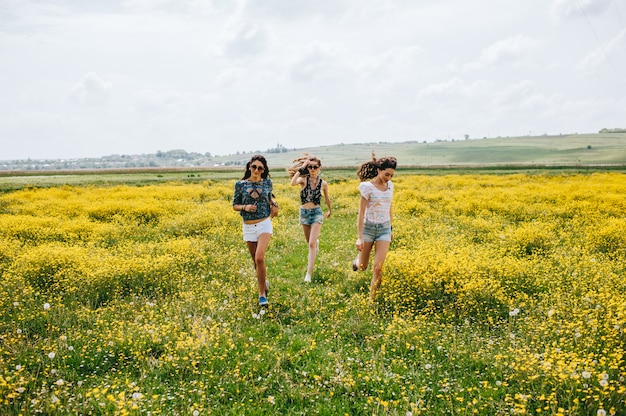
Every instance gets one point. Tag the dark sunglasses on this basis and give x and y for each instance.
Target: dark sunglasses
(257, 167)
(311, 167)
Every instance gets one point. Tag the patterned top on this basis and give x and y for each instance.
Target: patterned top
(253, 193)
(311, 195)
(378, 202)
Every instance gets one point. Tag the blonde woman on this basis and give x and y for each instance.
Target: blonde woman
(254, 199)
(306, 173)
(374, 224)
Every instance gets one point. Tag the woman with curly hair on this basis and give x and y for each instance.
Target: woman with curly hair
(306, 173)
(374, 219)
(254, 200)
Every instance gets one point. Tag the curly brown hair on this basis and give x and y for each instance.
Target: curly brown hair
(369, 169)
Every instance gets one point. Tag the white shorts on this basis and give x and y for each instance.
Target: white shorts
(251, 232)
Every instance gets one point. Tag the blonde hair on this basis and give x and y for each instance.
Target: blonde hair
(297, 165)
(369, 169)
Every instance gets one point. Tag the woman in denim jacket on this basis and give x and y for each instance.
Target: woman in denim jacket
(254, 198)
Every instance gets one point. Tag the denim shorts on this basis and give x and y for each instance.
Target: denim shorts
(376, 232)
(251, 232)
(310, 216)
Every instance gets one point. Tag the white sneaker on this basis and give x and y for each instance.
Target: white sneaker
(355, 263)
(307, 278)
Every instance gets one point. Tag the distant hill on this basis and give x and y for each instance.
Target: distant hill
(573, 149)
(605, 148)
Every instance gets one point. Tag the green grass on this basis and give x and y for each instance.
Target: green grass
(531, 152)
(12, 181)
(190, 337)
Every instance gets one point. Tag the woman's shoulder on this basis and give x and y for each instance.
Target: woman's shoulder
(366, 188)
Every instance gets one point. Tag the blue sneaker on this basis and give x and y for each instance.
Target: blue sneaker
(263, 301)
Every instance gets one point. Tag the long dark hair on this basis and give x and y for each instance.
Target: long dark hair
(369, 169)
(266, 171)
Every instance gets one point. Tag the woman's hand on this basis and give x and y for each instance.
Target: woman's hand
(303, 170)
(359, 244)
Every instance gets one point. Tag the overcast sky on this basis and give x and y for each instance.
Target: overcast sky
(89, 78)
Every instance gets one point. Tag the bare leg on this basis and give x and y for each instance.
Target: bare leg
(380, 253)
(257, 251)
(314, 233)
(364, 256)
(252, 249)
(307, 231)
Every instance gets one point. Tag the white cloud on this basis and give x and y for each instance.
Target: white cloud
(513, 94)
(300, 9)
(603, 53)
(536, 102)
(302, 124)
(91, 90)
(212, 6)
(397, 67)
(580, 8)
(511, 50)
(226, 75)
(147, 5)
(232, 77)
(152, 101)
(455, 87)
(245, 39)
(514, 102)
(319, 61)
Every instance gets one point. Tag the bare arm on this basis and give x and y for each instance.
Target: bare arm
(327, 199)
(359, 225)
(297, 179)
(391, 219)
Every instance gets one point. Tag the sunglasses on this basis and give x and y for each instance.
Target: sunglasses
(311, 167)
(260, 168)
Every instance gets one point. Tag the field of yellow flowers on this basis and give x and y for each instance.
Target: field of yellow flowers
(502, 294)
